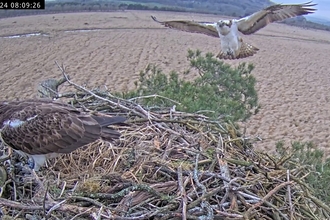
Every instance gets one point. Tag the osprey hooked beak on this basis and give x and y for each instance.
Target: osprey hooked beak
(223, 23)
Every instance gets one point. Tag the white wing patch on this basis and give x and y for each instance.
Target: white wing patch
(14, 123)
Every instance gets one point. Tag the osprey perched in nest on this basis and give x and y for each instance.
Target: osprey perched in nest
(232, 45)
(43, 129)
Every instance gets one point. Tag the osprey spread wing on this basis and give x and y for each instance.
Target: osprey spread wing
(40, 128)
(232, 45)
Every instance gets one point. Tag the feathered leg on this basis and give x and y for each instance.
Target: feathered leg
(41, 191)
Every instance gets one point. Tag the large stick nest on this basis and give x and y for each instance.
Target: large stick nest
(166, 165)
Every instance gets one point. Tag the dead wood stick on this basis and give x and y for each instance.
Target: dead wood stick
(48, 206)
(266, 197)
(182, 193)
(204, 197)
(124, 192)
(289, 194)
(93, 94)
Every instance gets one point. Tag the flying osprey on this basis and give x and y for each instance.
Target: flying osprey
(43, 129)
(232, 45)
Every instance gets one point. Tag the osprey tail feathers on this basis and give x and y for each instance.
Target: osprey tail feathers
(245, 50)
(106, 121)
(108, 133)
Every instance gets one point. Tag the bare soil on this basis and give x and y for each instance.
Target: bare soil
(292, 66)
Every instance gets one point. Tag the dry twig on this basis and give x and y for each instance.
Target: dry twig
(167, 164)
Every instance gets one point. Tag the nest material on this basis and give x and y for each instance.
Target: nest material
(166, 165)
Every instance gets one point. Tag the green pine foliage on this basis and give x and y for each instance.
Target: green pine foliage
(305, 157)
(220, 91)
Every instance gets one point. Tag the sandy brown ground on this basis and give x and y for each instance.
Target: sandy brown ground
(292, 66)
